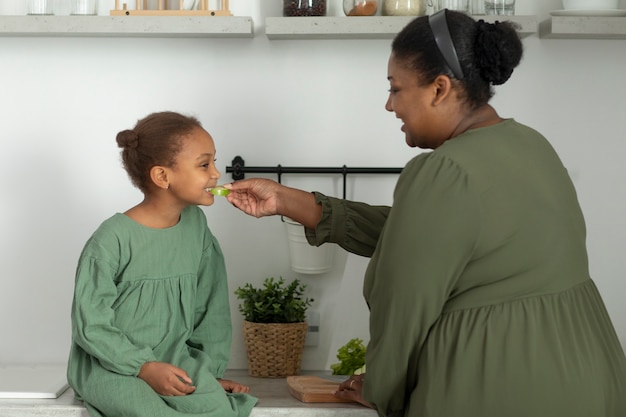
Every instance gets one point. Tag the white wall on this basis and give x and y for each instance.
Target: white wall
(299, 103)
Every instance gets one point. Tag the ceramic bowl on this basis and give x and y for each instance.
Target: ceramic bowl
(590, 4)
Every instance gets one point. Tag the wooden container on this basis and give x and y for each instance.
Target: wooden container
(274, 349)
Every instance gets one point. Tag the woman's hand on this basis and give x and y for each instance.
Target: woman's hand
(352, 388)
(166, 379)
(262, 197)
(256, 197)
(232, 386)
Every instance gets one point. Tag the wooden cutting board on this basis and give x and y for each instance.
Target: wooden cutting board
(313, 389)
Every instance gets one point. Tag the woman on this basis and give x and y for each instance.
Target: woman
(480, 298)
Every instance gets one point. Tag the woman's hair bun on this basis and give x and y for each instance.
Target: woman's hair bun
(498, 50)
(127, 139)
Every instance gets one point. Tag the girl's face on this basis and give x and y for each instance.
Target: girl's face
(412, 104)
(195, 171)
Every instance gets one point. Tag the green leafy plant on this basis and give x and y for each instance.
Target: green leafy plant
(275, 302)
(352, 357)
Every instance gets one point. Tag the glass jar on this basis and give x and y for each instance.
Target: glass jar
(360, 7)
(83, 7)
(39, 7)
(304, 8)
(404, 7)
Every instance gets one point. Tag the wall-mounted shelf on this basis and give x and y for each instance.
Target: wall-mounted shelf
(374, 27)
(583, 27)
(362, 27)
(128, 26)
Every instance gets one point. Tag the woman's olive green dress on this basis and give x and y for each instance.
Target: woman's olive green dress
(478, 286)
(145, 294)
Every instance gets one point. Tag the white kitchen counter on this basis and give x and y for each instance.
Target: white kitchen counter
(273, 394)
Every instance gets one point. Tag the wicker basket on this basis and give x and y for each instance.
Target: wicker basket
(274, 349)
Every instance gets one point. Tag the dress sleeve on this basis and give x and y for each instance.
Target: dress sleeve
(353, 225)
(212, 327)
(93, 317)
(427, 242)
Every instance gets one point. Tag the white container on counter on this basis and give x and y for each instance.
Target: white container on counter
(306, 259)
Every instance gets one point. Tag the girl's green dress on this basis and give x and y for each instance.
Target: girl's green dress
(478, 286)
(145, 294)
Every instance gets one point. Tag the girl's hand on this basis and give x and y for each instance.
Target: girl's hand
(352, 390)
(234, 387)
(166, 379)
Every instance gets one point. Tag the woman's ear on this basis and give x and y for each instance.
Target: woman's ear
(442, 86)
(158, 175)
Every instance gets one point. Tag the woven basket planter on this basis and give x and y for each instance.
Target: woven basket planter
(274, 349)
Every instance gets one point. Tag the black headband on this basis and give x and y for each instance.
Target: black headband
(439, 27)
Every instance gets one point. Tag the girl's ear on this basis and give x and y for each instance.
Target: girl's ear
(158, 175)
(443, 86)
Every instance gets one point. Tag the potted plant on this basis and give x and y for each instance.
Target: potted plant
(274, 326)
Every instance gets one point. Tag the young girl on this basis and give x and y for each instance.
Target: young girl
(151, 327)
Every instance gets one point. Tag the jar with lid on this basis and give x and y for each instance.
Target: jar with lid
(360, 7)
(404, 7)
(304, 8)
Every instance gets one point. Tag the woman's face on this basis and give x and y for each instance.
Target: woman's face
(412, 104)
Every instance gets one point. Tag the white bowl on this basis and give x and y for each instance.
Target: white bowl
(590, 4)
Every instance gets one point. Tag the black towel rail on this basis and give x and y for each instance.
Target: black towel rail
(239, 169)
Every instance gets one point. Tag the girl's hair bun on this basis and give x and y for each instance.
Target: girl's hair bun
(127, 139)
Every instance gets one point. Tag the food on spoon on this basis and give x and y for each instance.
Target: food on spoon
(219, 190)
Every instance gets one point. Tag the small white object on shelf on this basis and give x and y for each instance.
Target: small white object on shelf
(590, 4)
(589, 13)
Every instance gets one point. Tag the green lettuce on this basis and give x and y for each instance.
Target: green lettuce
(351, 357)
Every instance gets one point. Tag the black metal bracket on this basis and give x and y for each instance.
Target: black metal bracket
(239, 170)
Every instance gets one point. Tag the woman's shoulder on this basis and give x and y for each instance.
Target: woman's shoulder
(476, 146)
(434, 168)
(484, 136)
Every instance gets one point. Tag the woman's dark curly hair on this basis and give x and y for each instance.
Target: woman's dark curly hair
(155, 140)
(487, 52)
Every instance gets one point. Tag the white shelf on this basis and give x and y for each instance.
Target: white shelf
(583, 27)
(362, 27)
(128, 26)
(374, 27)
